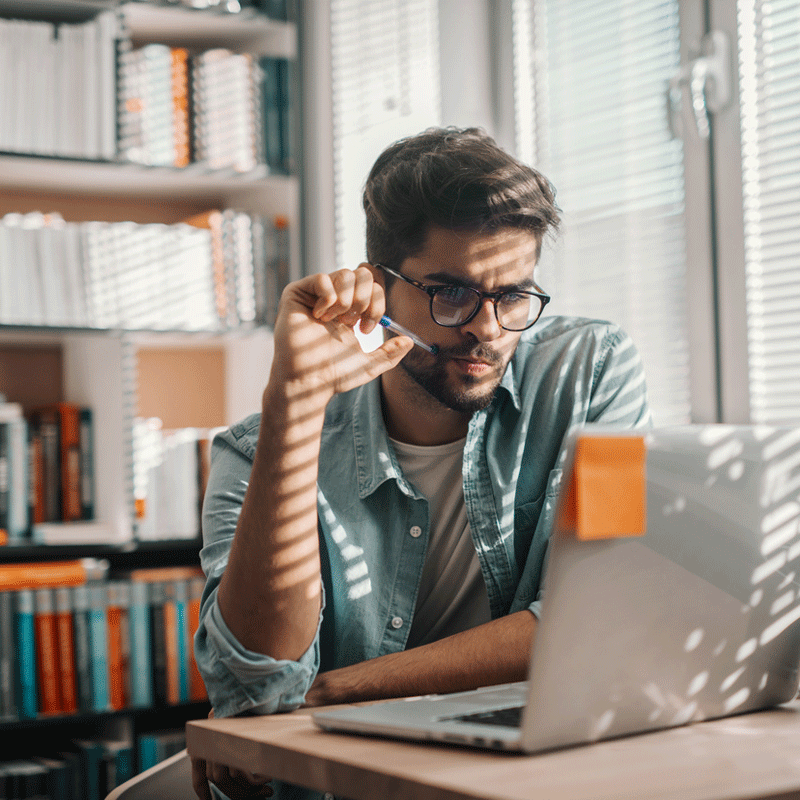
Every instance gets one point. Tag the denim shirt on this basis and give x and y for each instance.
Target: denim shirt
(374, 525)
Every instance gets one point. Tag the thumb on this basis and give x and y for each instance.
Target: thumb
(388, 355)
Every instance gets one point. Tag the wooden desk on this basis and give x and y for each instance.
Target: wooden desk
(754, 755)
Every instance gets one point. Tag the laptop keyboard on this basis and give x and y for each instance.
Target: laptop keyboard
(506, 717)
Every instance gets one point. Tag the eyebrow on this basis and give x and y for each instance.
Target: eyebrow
(445, 278)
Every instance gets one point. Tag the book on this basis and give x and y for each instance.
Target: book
(182, 639)
(98, 636)
(158, 643)
(52, 573)
(45, 424)
(86, 449)
(15, 453)
(8, 697)
(141, 669)
(4, 483)
(47, 671)
(65, 637)
(25, 675)
(172, 636)
(197, 688)
(81, 625)
(118, 596)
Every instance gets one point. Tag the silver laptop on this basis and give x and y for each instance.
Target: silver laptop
(692, 617)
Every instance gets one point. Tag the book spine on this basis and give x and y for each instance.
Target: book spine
(83, 647)
(65, 634)
(141, 668)
(197, 688)
(51, 465)
(36, 474)
(5, 490)
(171, 635)
(8, 700)
(158, 651)
(148, 752)
(98, 627)
(182, 637)
(86, 447)
(180, 105)
(26, 654)
(46, 653)
(70, 456)
(18, 512)
(116, 658)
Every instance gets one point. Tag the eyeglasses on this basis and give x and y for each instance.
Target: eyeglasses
(452, 306)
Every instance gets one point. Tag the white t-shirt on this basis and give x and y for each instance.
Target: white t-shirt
(452, 594)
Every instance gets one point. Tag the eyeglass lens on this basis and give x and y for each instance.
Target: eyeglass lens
(453, 305)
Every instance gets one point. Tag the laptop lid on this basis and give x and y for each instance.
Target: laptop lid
(670, 594)
(690, 616)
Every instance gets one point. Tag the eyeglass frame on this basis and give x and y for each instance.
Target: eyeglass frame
(434, 289)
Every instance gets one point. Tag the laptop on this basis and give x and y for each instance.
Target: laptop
(671, 596)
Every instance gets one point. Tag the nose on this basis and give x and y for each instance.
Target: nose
(484, 326)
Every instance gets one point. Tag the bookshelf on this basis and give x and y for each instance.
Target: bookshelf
(102, 366)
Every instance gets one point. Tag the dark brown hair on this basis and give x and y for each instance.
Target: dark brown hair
(458, 179)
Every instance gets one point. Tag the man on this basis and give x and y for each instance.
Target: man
(380, 529)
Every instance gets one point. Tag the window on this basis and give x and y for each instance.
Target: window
(689, 238)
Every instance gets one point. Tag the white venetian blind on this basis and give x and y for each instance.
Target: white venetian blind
(769, 76)
(385, 62)
(591, 79)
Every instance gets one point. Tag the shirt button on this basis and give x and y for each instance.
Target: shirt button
(397, 622)
(416, 531)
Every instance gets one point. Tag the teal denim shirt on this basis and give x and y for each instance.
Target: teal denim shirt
(565, 372)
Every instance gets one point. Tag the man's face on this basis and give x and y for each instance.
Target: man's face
(472, 358)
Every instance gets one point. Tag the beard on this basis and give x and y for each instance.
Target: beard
(467, 395)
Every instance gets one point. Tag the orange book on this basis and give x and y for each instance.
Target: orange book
(51, 573)
(65, 638)
(171, 642)
(197, 689)
(115, 612)
(47, 673)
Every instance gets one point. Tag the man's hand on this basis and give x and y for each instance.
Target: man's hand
(234, 783)
(237, 784)
(316, 349)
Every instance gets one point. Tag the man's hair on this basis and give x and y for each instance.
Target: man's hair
(457, 179)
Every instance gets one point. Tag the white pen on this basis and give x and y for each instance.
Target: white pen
(391, 325)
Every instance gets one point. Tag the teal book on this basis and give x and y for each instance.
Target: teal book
(26, 653)
(98, 630)
(182, 635)
(141, 667)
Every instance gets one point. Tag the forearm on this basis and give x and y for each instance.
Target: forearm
(269, 595)
(496, 652)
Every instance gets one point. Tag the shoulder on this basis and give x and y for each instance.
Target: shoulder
(241, 436)
(566, 342)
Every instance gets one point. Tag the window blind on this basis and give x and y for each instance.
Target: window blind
(385, 76)
(769, 80)
(597, 128)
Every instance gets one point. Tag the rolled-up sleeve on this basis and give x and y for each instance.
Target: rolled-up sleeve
(238, 680)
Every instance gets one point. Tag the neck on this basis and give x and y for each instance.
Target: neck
(414, 417)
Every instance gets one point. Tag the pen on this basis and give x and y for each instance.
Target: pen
(393, 326)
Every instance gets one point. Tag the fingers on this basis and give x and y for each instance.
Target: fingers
(235, 783)
(199, 780)
(348, 296)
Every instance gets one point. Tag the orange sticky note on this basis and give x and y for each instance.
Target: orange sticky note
(607, 491)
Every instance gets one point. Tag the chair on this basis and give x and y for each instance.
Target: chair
(170, 779)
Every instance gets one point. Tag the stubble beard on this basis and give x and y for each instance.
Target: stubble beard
(471, 394)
